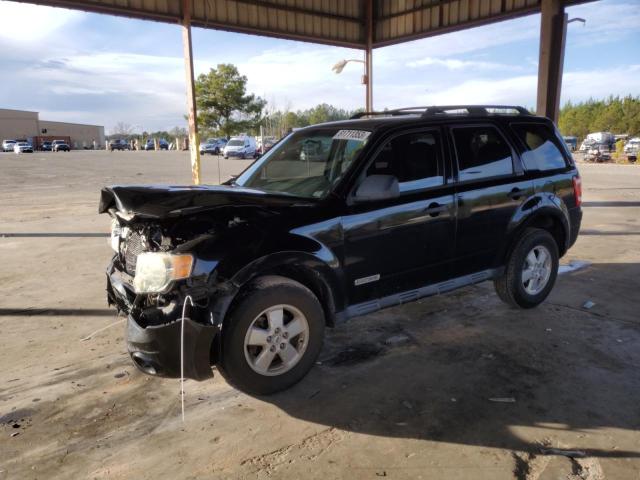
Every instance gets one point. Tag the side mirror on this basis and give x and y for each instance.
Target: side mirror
(377, 187)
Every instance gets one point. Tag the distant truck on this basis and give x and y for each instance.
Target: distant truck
(602, 138)
(598, 141)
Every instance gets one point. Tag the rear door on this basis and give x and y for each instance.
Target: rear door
(490, 188)
(396, 245)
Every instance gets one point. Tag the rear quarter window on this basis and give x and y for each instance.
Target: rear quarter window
(541, 150)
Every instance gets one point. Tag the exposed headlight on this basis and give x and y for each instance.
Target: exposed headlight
(156, 270)
(116, 230)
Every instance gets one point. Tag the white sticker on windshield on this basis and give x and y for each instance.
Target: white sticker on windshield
(357, 135)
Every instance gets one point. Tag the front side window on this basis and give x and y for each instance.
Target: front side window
(413, 158)
(542, 152)
(308, 163)
(482, 153)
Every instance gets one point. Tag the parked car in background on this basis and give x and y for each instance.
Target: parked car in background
(7, 145)
(288, 248)
(213, 146)
(265, 146)
(119, 144)
(205, 145)
(240, 147)
(45, 146)
(162, 144)
(60, 146)
(572, 142)
(631, 149)
(22, 147)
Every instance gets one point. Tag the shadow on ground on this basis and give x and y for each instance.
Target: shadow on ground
(428, 370)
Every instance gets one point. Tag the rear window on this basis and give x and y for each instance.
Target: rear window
(482, 153)
(542, 151)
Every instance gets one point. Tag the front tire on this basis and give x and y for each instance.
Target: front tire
(272, 336)
(530, 271)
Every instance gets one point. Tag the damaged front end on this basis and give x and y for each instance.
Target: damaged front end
(169, 243)
(153, 272)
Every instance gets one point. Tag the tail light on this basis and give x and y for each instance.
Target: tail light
(577, 189)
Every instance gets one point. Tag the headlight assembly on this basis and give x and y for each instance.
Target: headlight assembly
(155, 271)
(116, 231)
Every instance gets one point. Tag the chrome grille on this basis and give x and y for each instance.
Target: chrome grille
(133, 246)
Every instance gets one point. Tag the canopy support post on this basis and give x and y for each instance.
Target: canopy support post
(187, 47)
(553, 34)
(368, 58)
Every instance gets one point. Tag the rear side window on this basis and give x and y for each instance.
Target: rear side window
(542, 152)
(413, 158)
(482, 153)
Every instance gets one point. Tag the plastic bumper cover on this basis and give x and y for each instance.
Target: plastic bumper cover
(156, 349)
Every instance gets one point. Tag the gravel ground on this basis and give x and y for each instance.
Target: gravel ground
(403, 393)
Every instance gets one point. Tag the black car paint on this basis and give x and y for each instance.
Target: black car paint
(420, 243)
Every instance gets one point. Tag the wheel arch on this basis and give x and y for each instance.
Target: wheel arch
(303, 267)
(550, 218)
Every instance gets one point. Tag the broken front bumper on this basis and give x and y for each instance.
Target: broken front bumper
(155, 348)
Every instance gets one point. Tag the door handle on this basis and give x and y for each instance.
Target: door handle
(434, 209)
(515, 194)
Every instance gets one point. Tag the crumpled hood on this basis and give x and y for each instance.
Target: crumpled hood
(158, 201)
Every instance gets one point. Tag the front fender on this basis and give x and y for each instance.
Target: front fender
(324, 278)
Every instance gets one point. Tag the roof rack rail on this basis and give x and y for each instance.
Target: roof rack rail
(475, 110)
(428, 111)
(389, 113)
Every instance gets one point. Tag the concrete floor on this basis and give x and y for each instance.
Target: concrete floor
(373, 407)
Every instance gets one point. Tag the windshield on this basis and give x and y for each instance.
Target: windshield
(308, 163)
(236, 143)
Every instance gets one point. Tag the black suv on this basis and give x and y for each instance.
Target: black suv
(393, 206)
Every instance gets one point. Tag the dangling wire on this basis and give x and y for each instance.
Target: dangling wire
(184, 309)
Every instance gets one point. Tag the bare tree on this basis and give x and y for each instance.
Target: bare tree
(122, 128)
(178, 132)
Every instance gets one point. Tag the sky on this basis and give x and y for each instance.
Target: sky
(99, 69)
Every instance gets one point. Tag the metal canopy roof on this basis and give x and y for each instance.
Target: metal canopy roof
(332, 22)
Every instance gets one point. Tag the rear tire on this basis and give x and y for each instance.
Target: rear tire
(531, 270)
(272, 336)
